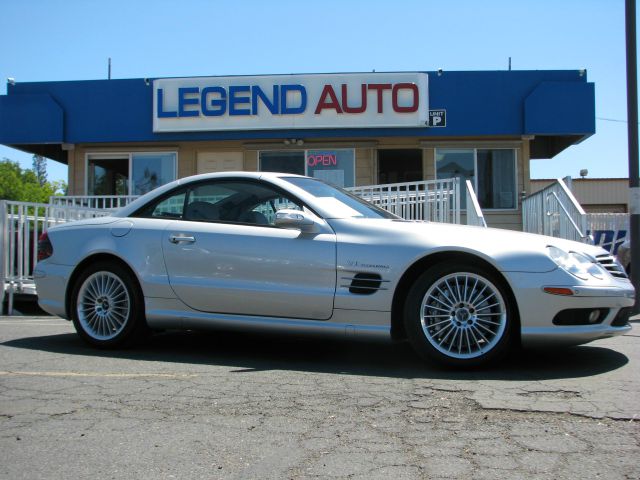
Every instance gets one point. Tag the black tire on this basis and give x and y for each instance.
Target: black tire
(459, 315)
(107, 306)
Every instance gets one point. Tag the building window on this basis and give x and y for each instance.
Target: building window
(335, 166)
(284, 162)
(129, 173)
(151, 170)
(492, 173)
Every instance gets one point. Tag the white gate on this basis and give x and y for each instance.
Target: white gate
(21, 224)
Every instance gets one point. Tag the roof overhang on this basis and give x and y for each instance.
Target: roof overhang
(559, 114)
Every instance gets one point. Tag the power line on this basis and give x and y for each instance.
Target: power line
(611, 120)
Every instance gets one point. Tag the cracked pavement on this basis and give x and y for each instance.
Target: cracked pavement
(237, 406)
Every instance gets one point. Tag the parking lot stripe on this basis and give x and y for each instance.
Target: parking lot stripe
(31, 323)
(96, 374)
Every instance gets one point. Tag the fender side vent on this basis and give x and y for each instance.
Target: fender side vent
(364, 283)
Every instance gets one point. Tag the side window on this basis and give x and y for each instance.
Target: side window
(168, 207)
(268, 209)
(208, 201)
(243, 202)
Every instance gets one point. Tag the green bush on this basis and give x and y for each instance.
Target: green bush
(23, 185)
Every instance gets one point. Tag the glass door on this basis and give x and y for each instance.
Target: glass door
(108, 175)
(400, 165)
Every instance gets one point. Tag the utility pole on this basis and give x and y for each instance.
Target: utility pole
(109, 69)
(632, 125)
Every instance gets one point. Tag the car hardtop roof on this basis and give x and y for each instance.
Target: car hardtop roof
(236, 174)
(133, 206)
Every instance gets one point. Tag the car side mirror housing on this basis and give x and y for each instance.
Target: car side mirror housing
(296, 220)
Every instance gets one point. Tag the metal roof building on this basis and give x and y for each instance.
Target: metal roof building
(127, 136)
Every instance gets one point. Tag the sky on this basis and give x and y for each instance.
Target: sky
(47, 40)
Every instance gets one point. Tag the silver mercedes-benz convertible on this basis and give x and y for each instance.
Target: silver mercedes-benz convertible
(289, 253)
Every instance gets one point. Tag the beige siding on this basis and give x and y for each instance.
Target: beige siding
(77, 184)
(509, 220)
(219, 161)
(365, 171)
(524, 166)
(429, 163)
(601, 191)
(251, 160)
(186, 162)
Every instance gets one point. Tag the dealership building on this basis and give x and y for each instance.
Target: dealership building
(128, 136)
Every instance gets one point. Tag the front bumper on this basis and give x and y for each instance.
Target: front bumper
(572, 335)
(537, 309)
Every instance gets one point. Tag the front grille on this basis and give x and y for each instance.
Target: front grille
(611, 265)
(622, 318)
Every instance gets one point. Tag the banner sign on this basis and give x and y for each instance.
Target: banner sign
(352, 100)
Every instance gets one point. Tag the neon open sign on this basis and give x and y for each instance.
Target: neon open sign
(324, 159)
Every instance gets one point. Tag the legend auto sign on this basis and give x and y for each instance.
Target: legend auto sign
(290, 101)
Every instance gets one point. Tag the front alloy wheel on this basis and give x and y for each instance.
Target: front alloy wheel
(459, 316)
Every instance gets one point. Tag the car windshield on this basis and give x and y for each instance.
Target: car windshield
(340, 203)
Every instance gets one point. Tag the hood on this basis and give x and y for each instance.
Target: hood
(508, 250)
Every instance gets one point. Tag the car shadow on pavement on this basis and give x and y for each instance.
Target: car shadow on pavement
(249, 352)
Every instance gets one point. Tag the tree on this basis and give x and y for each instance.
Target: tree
(24, 186)
(40, 169)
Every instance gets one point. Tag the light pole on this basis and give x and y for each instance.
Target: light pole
(632, 119)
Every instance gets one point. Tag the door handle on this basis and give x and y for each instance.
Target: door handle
(181, 238)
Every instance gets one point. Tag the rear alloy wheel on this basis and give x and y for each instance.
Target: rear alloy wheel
(459, 315)
(107, 306)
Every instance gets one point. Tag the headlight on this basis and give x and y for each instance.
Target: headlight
(576, 264)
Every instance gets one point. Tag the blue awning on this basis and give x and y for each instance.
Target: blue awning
(556, 108)
(30, 118)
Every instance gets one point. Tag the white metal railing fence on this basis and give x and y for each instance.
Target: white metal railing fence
(92, 202)
(608, 230)
(21, 224)
(474, 212)
(433, 200)
(555, 211)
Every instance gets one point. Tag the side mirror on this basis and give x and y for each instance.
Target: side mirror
(296, 220)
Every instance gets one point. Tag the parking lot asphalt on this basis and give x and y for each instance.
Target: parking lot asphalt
(233, 406)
